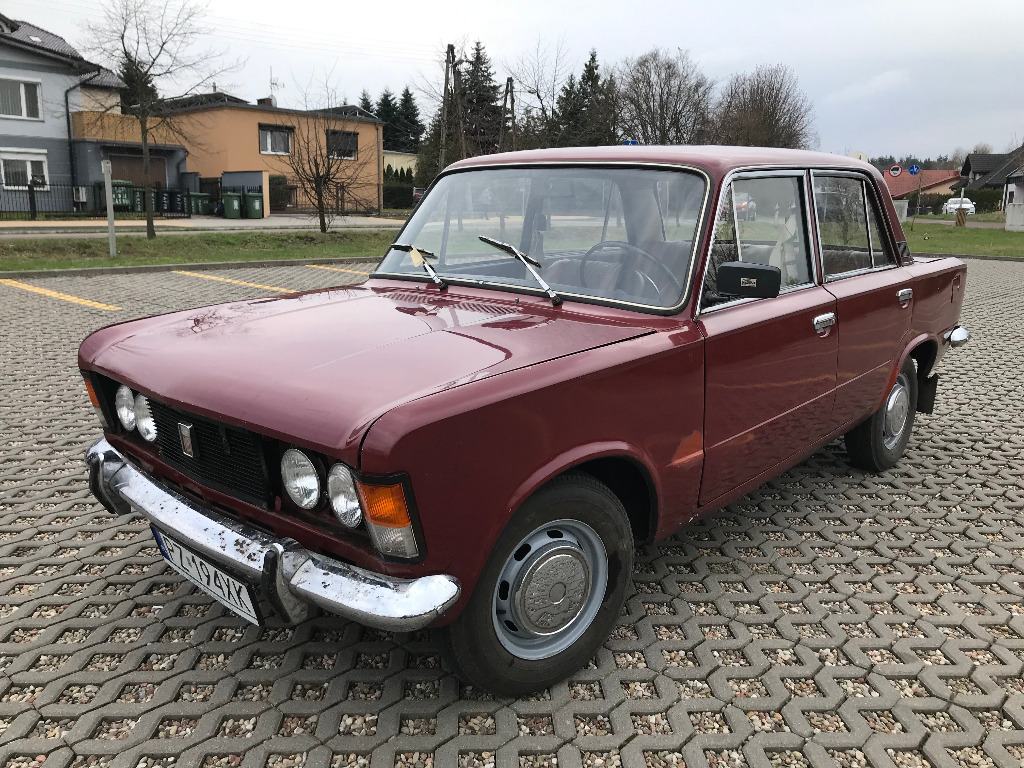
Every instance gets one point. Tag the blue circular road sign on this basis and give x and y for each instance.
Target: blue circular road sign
(914, 170)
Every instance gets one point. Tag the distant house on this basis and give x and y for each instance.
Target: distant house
(991, 171)
(1014, 191)
(223, 134)
(400, 161)
(937, 182)
(43, 82)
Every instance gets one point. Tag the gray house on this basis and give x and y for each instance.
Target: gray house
(43, 80)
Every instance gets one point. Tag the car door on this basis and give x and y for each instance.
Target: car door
(874, 300)
(770, 364)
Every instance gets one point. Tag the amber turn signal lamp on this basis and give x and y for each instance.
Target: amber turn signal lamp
(95, 402)
(92, 394)
(384, 505)
(388, 522)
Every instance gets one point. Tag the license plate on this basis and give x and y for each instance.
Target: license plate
(229, 591)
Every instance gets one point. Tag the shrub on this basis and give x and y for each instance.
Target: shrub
(397, 195)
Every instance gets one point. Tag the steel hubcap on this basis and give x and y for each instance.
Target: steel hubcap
(897, 407)
(552, 590)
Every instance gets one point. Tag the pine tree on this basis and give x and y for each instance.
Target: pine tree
(387, 110)
(586, 113)
(365, 102)
(482, 104)
(409, 126)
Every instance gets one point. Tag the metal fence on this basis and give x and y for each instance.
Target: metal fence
(48, 202)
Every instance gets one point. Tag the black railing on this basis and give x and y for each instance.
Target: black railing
(49, 202)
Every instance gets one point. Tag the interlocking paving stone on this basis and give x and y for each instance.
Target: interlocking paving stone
(828, 618)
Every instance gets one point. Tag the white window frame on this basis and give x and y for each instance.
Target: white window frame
(21, 81)
(267, 150)
(29, 156)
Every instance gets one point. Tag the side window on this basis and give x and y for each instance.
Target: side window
(842, 224)
(761, 220)
(881, 254)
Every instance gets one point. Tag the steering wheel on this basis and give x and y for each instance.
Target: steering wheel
(637, 252)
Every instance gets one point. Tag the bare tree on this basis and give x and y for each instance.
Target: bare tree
(765, 108)
(541, 75)
(982, 148)
(334, 171)
(956, 160)
(155, 40)
(664, 98)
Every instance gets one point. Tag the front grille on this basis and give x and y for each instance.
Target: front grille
(226, 459)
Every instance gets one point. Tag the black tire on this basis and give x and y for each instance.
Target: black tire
(471, 644)
(874, 445)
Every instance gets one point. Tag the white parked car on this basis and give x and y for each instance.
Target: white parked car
(954, 203)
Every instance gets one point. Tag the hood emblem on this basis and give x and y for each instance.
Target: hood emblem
(185, 434)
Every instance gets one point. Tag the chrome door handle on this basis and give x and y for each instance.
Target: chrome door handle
(904, 295)
(821, 322)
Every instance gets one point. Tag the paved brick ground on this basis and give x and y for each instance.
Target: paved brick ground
(830, 618)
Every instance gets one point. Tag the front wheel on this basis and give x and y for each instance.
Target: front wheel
(878, 443)
(550, 592)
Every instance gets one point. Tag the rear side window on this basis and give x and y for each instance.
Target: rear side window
(761, 220)
(851, 227)
(842, 224)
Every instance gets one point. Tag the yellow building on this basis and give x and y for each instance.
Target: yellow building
(224, 134)
(400, 161)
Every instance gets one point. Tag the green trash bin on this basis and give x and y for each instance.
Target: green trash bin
(232, 205)
(200, 203)
(121, 193)
(254, 205)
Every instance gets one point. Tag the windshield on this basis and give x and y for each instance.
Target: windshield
(620, 234)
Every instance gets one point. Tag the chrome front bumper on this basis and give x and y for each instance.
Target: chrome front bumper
(290, 577)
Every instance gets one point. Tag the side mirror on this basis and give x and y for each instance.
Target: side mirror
(748, 280)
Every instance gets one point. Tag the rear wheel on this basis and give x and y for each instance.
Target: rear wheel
(549, 593)
(878, 443)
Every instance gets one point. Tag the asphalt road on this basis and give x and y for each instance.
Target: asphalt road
(829, 618)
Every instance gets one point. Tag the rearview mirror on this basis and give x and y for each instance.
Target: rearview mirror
(748, 280)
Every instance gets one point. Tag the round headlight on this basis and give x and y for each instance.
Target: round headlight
(300, 480)
(344, 500)
(144, 418)
(124, 404)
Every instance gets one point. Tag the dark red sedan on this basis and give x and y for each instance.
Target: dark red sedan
(563, 352)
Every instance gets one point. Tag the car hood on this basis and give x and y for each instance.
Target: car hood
(319, 368)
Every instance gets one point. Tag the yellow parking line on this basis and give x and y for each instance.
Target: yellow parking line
(337, 269)
(56, 295)
(236, 282)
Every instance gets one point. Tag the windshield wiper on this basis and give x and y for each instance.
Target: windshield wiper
(529, 262)
(419, 258)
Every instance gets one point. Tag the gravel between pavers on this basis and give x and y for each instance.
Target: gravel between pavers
(898, 595)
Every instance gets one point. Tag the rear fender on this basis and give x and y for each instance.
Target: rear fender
(925, 359)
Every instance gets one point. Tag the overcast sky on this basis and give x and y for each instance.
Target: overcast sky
(885, 77)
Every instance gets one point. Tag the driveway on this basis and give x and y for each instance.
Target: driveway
(830, 618)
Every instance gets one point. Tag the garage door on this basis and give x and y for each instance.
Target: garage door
(129, 168)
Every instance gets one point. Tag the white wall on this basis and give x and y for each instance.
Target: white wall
(1015, 217)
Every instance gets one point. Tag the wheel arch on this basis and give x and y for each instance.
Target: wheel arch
(924, 348)
(630, 481)
(620, 467)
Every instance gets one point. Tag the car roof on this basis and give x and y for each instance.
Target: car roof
(716, 160)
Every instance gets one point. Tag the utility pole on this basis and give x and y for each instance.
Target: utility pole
(457, 98)
(508, 109)
(449, 58)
